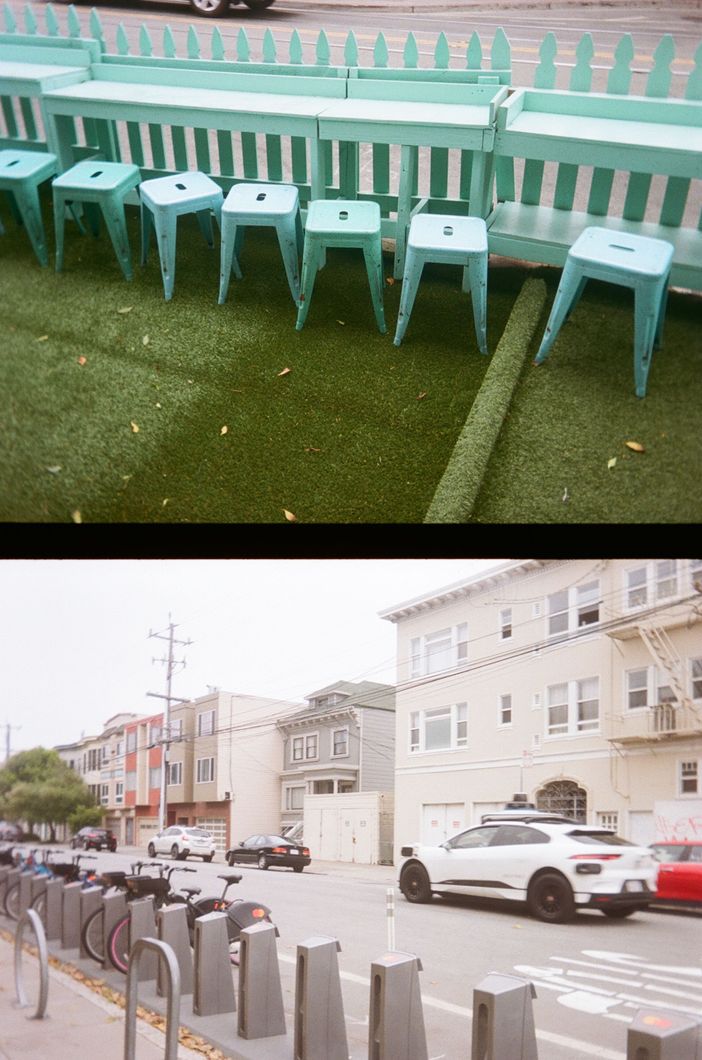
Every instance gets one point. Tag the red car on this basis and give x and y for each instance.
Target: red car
(680, 872)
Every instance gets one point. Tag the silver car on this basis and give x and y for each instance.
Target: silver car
(182, 842)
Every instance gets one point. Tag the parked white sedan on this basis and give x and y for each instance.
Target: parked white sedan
(181, 842)
(554, 865)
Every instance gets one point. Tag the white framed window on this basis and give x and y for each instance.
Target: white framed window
(637, 688)
(340, 743)
(650, 582)
(504, 710)
(104, 794)
(130, 781)
(155, 777)
(131, 740)
(573, 609)
(119, 750)
(295, 798)
(175, 728)
(441, 650)
(573, 707)
(119, 792)
(696, 678)
(311, 746)
(104, 753)
(505, 623)
(205, 723)
(175, 772)
(608, 819)
(648, 687)
(204, 768)
(689, 777)
(155, 732)
(439, 729)
(298, 748)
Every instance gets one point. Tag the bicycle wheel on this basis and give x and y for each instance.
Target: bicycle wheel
(12, 901)
(91, 935)
(118, 945)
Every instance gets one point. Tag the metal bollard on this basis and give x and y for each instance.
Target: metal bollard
(662, 1036)
(503, 1019)
(115, 906)
(142, 925)
(90, 901)
(34, 921)
(54, 909)
(396, 1016)
(70, 928)
(172, 923)
(171, 974)
(320, 1028)
(261, 1013)
(214, 984)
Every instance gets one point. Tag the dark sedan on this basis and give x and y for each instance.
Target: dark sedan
(94, 838)
(268, 850)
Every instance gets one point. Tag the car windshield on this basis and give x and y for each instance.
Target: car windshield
(197, 831)
(668, 852)
(608, 839)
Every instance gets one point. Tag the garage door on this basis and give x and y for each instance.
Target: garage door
(146, 827)
(441, 820)
(217, 827)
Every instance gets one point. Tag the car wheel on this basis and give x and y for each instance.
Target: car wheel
(208, 857)
(298, 868)
(550, 898)
(151, 850)
(257, 5)
(230, 860)
(262, 861)
(618, 913)
(414, 884)
(86, 845)
(175, 853)
(210, 8)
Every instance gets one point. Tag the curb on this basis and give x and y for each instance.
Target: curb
(465, 472)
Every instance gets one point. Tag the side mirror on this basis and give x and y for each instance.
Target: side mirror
(447, 846)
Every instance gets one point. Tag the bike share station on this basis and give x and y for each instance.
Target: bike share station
(195, 987)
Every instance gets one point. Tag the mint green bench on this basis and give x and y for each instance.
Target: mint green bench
(653, 145)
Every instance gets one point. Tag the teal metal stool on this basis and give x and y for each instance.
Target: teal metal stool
(628, 260)
(274, 205)
(448, 240)
(21, 173)
(163, 200)
(342, 223)
(102, 187)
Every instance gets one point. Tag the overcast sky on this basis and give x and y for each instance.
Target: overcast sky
(76, 647)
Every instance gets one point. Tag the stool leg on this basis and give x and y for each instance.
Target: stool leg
(299, 234)
(204, 219)
(165, 224)
(27, 199)
(92, 212)
(310, 267)
(373, 255)
(59, 225)
(115, 221)
(228, 257)
(478, 273)
(147, 221)
(414, 265)
(658, 340)
(567, 289)
(287, 241)
(646, 318)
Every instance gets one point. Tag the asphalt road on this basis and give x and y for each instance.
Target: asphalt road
(591, 976)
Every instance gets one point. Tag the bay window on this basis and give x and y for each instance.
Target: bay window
(442, 650)
(573, 707)
(439, 728)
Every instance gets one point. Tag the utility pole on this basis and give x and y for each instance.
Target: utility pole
(171, 665)
(8, 729)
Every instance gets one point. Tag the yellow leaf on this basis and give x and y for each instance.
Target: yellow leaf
(76, 516)
(635, 446)
(341, 322)
(54, 469)
(134, 426)
(159, 405)
(611, 462)
(165, 502)
(289, 516)
(311, 449)
(126, 309)
(223, 430)
(390, 281)
(42, 338)
(82, 360)
(145, 340)
(422, 395)
(286, 371)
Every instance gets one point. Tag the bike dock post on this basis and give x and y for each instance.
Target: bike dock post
(32, 918)
(396, 1023)
(503, 1018)
(11, 879)
(5, 870)
(261, 1013)
(70, 928)
(90, 902)
(115, 906)
(169, 971)
(214, 985)
(25, 891)
(172, 923)
(54, 909)
(320, 1029)
(142, 925)
(662, 1036)
(37, 887)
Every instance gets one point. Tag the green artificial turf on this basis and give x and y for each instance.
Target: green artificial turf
(331, 424)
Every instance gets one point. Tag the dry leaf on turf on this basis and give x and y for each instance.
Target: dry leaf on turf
(42, 338)
(423, 394)
(145, 340)
(126, 309)
(285, 371)
(223, 430)
(134, 426)
(76, 516)
(637, 447)
(82, 360)
(390, 281)
(54, 469)
(289, 516)
(612, 461)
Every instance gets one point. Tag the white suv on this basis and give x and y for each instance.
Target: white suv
(553, 864)
(181, 842)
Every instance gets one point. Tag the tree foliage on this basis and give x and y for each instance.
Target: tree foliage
(38, 787)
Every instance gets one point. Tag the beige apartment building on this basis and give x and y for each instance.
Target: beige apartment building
(577, 682)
